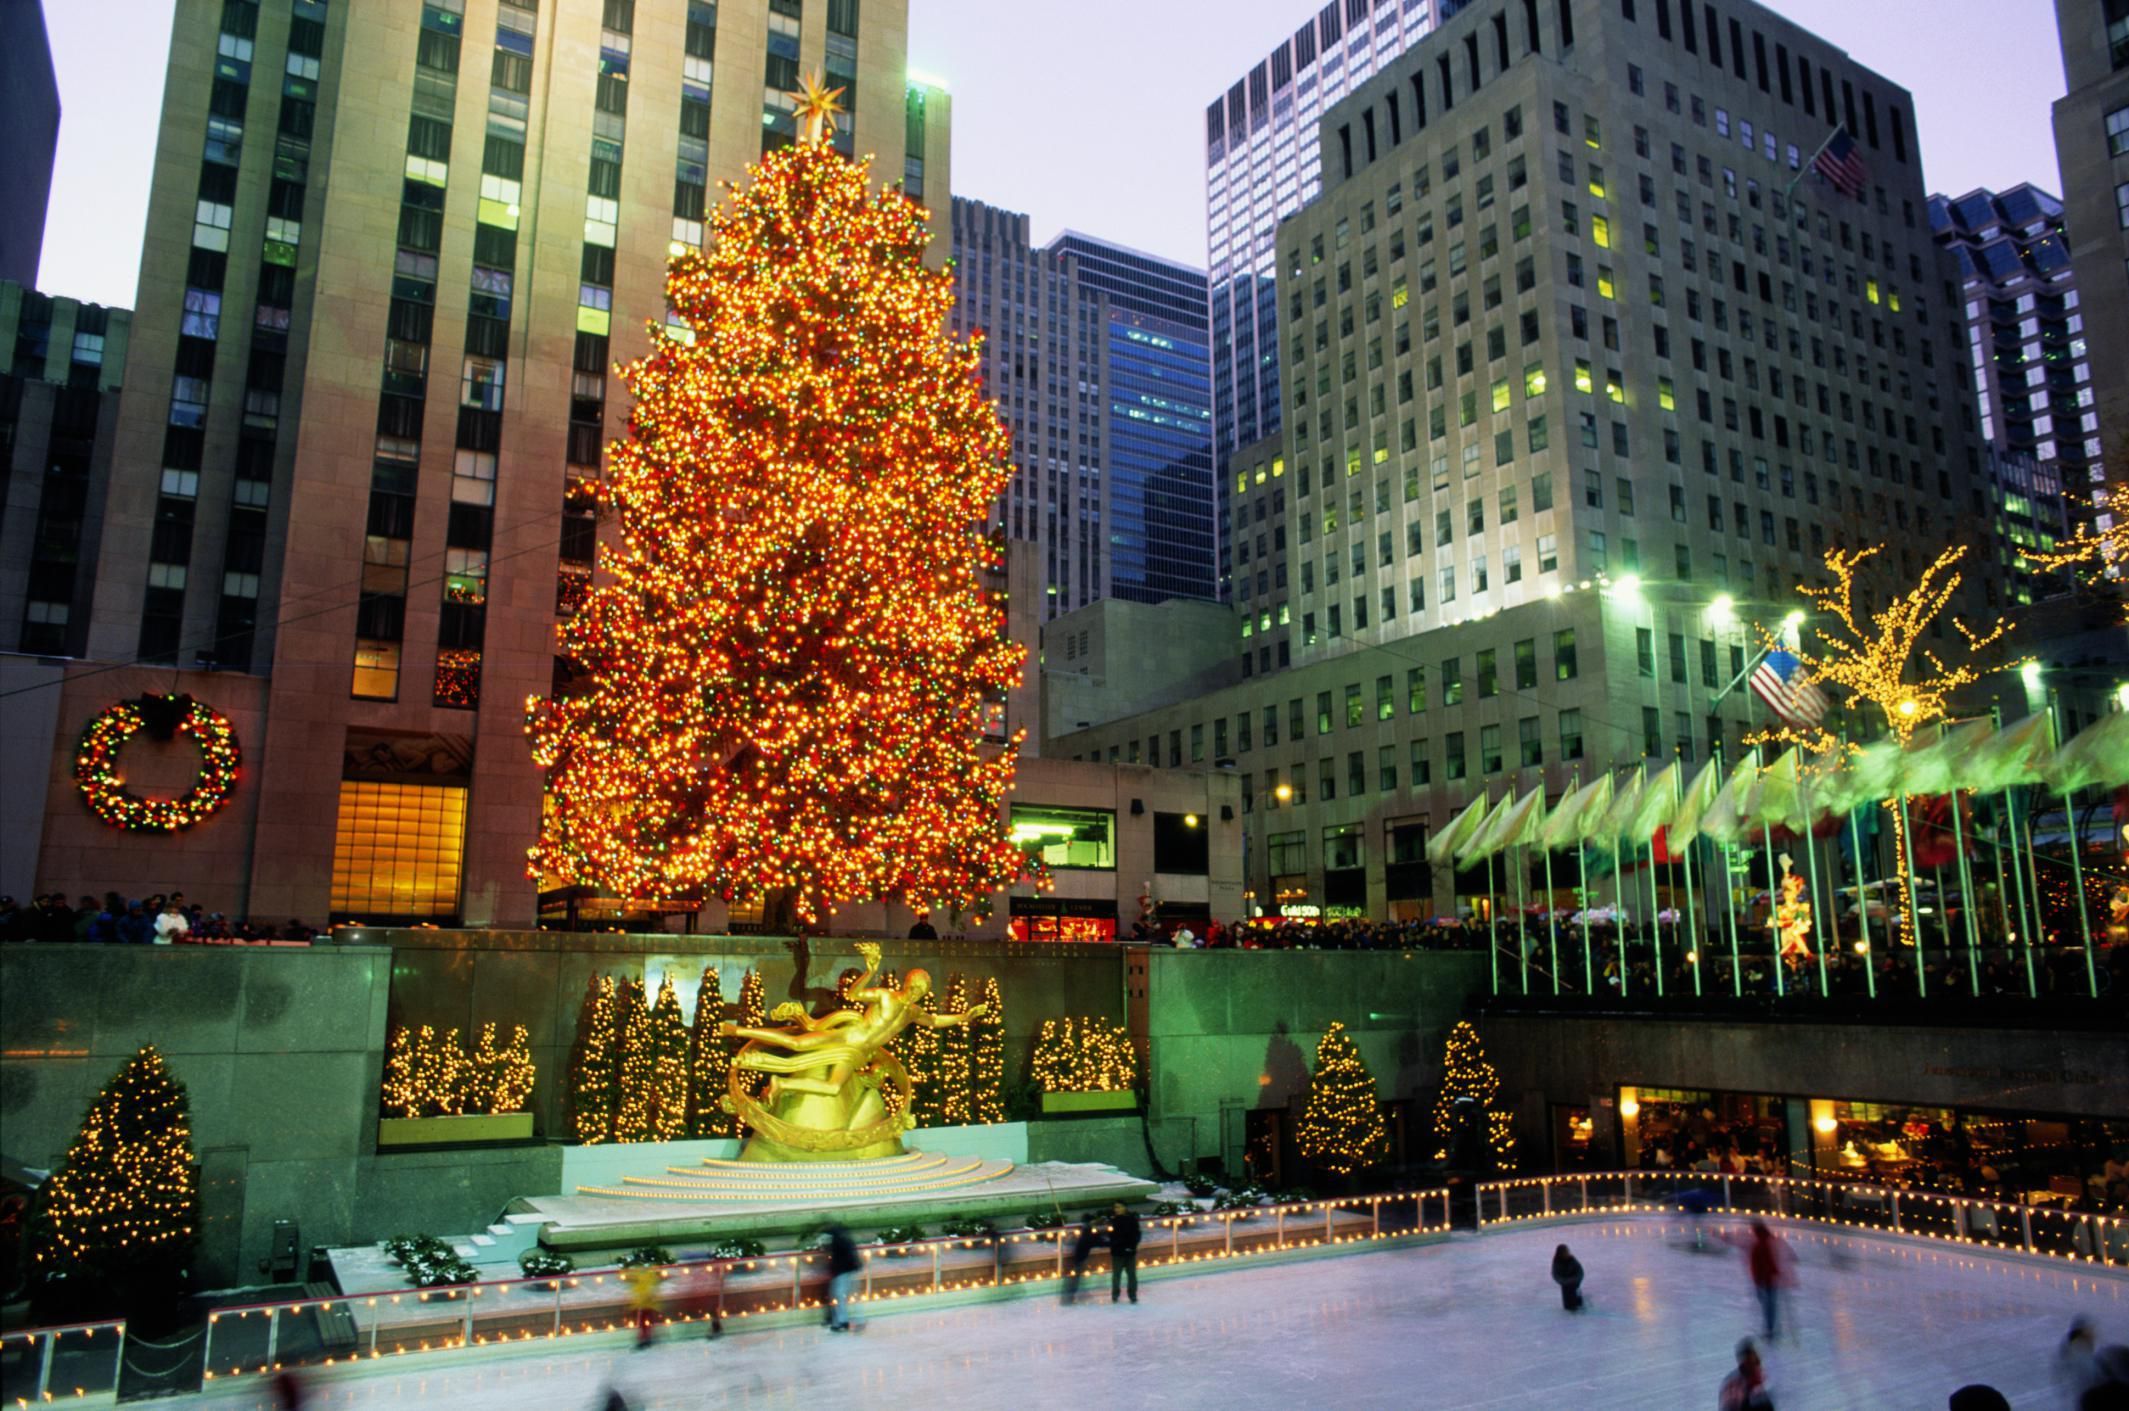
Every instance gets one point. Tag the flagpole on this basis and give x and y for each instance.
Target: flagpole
(1862, 905)
(1907, 884)
(1729, 895)
(1811, 864)
(1966, 890)
(1619, 914)
(1694, 940)
(2004, 891)
(1493, 925)
(1810, 162)
(2040, 921)
(1552, 905)
(2077, 847)
(1522, 939)
(1655, 903)
(1767, 836)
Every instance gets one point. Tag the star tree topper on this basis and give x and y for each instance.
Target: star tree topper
(818, 107)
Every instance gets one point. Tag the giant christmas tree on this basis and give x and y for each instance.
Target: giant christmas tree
(790, 662)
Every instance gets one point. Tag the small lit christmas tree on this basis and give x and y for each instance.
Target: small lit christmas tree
(635, 1093)
(987, 1062)
(709, 1063)
(920, 1055)
(789, 665)
(753, 1013)
(591, 1065)
(118, 1222)
(955, 1061)
(668, 1059)
(1341, 1128)
(498, 1077)
(1470, 1130)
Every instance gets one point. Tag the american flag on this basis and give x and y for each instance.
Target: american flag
(1840, 163)
(1779, 681)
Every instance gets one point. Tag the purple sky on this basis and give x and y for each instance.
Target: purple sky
(1083, 113)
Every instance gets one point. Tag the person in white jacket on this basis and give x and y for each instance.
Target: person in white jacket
(171, 925)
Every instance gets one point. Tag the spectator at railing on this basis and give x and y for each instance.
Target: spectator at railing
(116, 920)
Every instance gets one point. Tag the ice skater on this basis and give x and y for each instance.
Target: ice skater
(1567, 1273)
(2077, 1363)
(1768, 1261)
(1694, 1202)
(1123, 1251)
(1083, 1246)
(1746, 1388)
(643, 1290)
(844, 1263)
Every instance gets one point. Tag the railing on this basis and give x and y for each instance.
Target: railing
(262, 1337)
(78, 1360)
(2010, 1226)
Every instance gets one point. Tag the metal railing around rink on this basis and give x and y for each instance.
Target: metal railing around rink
(2082, 1237)
(77, 1361)
(263, 1337)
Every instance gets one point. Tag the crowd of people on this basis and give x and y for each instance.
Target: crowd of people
(117, 920)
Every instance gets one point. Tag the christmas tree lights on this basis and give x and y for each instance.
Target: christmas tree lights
(1466, 1123)
(500, 1078)
(635, 1067)
(987, 1062)
(709, 1061)
(753, 1013)
(117, 1224)
(954, 1061)
(1084, 1055)
(1341, 1129)
(591, 1065)
(790, 663)
(668, 1060)
(920, 1058)
(2105, 551)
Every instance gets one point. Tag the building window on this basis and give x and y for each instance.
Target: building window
(1179, 844)
(1287, 854)
(1571, 734)
(397, 851)
(1083, 838)
(2118, 132)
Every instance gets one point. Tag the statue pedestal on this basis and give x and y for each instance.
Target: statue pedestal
(717, 1198)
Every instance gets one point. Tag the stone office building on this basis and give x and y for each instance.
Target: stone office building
(1583, 370)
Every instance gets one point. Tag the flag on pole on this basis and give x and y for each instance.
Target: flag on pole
(1659, 799)
(1444, 844)
(1470, 849)
(1779, 681)
(1842, 165)
(1693, 806)
(2100, 755)
(1578, 813)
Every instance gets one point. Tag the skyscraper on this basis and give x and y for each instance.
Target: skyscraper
(370, 552)
(2028, 357)
(2092, 148)
(1262, 165)
(1585, 371)
(29, 115)
(1097, 357)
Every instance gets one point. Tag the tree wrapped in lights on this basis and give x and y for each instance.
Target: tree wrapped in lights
(709, 1063)
(753, 1013)
(668, 1045)
(1873, 654)
(1341, 1128)
(1079, 1055)
(2100, 551)
(117, 1224)
(635, 1067)
(789, 668)
(1469, 1129)
(955, 1061)
(987, 1057)
(498, 1076)
(920, 1055)
(592, 1065)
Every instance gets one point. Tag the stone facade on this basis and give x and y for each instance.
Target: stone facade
(2095, 182)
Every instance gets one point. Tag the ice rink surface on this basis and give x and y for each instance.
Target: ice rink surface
(1875, 1324)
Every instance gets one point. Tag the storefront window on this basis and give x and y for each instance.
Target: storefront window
(1082, 838)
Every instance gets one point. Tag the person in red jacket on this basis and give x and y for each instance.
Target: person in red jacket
(1767, 1258)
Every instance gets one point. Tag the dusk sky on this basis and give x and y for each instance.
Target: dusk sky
(1088, 114)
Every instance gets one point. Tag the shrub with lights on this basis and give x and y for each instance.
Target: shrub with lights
(709, 1063)
(1341, 1129)
(1469, 1130)
(791, 656)
(427, 1074)
(1084, 1055)
(116, 1225)
(987, 1057)
(591, 1065)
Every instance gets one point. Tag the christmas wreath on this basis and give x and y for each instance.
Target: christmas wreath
(104, 787)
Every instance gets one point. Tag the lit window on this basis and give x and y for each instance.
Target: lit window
(1065, 837)
(398, 850)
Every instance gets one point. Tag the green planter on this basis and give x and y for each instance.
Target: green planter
(454, 1131)
(1125, 1101)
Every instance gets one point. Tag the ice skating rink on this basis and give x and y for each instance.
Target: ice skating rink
(1875, 1326)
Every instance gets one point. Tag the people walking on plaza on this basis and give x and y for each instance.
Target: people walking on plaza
(1567, 1273)
(844, 1263)
(1746, 1388)
(1083, 1246)
(1123, 1252)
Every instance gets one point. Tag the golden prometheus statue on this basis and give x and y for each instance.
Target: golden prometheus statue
(825, 1099)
